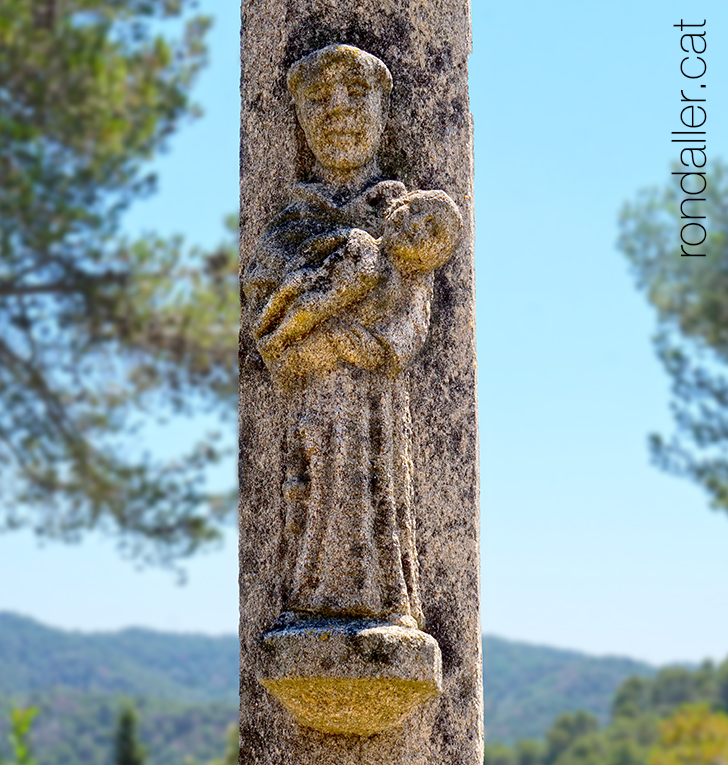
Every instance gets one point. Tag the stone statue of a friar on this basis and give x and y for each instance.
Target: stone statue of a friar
(340, 288)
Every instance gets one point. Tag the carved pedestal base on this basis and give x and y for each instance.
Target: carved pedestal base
(351, 677)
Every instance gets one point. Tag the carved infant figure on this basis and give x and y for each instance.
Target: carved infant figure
(363, 274)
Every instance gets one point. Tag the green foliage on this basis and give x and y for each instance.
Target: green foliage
(566, 729)
(78, 728)
(499, 754)
(690, 700)
(135, 662)
(694, 735)
(631, 699)
(671, 688)
(526, 687)
(185, 688)
(525, 752)
(528, 752)
(101, 332)
(21, 722)
(232, 748)
(690, 295)
(575, 739)
(721, 687)
(127, 749)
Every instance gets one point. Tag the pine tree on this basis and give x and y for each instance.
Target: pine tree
(100, 333)
(690, 295)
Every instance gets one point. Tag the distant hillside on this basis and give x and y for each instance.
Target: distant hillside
(187, 685)
(526, 686)
(133, 662)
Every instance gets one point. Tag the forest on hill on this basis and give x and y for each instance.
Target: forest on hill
(679, 716)
(185, 688)
(526, 686)
(132, 662)
(544, 706)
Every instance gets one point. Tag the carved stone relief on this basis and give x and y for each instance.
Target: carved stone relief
(340, 288)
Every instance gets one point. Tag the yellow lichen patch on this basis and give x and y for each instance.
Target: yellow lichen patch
(350, 706)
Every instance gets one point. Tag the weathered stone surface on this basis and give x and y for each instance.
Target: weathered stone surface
(350, 677)
(426, 145)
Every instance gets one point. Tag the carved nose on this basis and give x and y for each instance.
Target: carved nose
(339, 98)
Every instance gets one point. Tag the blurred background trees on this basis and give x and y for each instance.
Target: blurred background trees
(677, 717)
(101, 333)
(694, 735)
(21, 723)
(690, 295)
(127, 749)
(232, 750)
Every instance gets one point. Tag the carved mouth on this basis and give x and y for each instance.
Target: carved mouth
(344, 135)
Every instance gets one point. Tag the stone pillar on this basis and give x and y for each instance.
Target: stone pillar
(427, 144)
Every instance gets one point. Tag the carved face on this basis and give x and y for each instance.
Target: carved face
(342, 115)
(421, 230)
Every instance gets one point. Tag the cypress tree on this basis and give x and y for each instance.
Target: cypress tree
(127, 749)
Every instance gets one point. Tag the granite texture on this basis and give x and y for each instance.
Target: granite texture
(427, 144)
(351, 677)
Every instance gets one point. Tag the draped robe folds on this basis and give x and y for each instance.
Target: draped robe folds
(350, 528)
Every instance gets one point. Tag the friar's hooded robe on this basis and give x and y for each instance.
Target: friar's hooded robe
(350, 526)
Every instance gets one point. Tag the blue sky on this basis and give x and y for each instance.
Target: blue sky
(584, 544)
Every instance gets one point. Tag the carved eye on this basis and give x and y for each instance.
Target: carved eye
(358, 89)
(318, 96)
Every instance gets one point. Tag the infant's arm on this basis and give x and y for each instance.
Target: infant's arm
(300, 279)
(292, 286)
(344, 278)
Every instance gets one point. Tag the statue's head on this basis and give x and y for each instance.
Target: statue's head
(342, 96)
(421, 230)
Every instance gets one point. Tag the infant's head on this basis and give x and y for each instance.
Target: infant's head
(421, 230)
